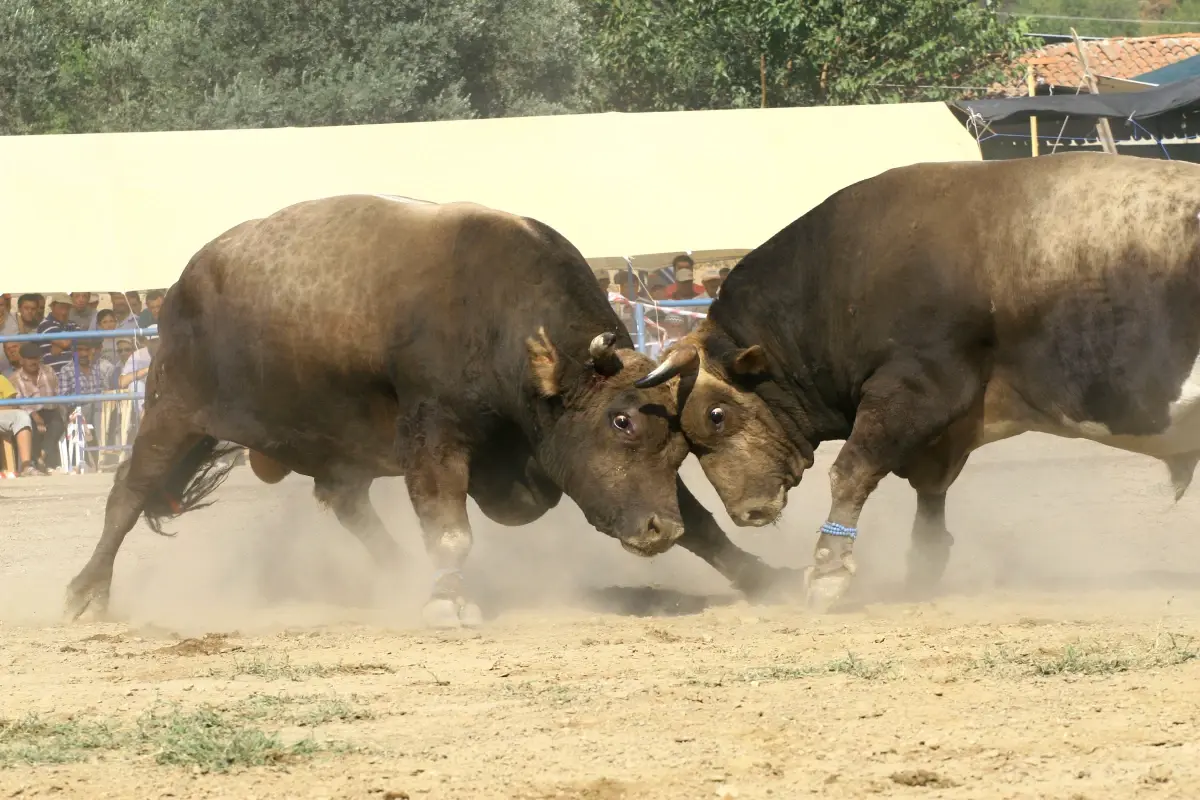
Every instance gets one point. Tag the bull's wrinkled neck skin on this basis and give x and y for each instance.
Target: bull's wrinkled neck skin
(801, 392)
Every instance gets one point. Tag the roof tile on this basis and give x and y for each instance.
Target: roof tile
(1122, 57)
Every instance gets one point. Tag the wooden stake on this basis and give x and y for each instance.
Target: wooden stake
(1102, 127)
(762, 77)
(1031, 85)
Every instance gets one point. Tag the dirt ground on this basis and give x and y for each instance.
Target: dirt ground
(261, 657)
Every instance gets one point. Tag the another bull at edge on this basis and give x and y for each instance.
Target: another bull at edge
(360, 336)
(936, 308)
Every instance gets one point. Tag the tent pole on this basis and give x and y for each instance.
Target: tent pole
(1102, 127)
(1031, 85)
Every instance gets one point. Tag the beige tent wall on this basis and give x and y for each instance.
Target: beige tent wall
(96, 211)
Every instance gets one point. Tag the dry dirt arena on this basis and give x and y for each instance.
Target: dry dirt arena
(261, 657)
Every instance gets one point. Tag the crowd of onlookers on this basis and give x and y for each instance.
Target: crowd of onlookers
(664, 326)
(65, 367)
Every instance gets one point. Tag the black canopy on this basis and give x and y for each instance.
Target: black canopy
(1123, 105)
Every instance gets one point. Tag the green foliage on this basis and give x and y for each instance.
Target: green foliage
(114, 65)
(711, 53)
(1152, 17)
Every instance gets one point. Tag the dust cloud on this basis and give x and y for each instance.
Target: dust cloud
(1035, 513)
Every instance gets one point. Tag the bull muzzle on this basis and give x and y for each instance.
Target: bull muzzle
(656, 537)
(757, 512)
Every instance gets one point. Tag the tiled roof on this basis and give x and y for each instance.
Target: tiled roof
(1058, 64)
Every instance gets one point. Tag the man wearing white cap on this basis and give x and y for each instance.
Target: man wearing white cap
(56, 354)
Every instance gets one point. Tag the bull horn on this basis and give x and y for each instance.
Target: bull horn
(679, 360)
(604, 357)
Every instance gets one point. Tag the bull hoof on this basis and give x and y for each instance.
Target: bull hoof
(447, 613)
(80, 599)
(926, 566)
(824, 591)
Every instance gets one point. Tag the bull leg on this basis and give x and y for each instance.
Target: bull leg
(931, 475)
(904, 407)
(350, 501)
(437, 476)
(702, 536)
(165, 439)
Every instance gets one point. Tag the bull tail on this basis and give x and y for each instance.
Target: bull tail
(1182, 468)
(193, 478)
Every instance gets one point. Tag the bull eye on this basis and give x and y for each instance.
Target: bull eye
(623, 423)
(716, 416)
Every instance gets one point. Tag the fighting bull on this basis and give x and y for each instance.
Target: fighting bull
(362, 336)
(936, 308)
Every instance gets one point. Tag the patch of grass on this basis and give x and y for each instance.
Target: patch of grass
(212, 739)
(850, 665)
(1092, 658)
(558, 694)
(214, 742)
(31, 740)
(281, 668)
(304, 711)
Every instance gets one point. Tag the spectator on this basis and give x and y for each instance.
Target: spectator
(135, 370)
(684, 288)
(82, 313)
(604, 281)
(125, 349)
(57, 353)
(134, 301)
(121, 310)
(154, 301)
(17, 423)
(106, 320)
(713, 285)
(29, 312)
(87, 373)
(35, 379)
(8, 320)
(658, 287)
(11, 362)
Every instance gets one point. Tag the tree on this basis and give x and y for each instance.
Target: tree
(718, 53)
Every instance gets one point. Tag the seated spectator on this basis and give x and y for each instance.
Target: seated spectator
(12, 359)
(8, 320)
(684, 288)
(57, 353)
(17, 423)
(126, 318)
(125, 349)
(29, 313)
(106, 320)
(154, 301)
(35, 379)
(86, 374)
(82, 313)
(135, 370)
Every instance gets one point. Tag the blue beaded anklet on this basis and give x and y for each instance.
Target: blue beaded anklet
(837, 529)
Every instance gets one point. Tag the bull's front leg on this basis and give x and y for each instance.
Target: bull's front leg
(437, 476)
(904, 406)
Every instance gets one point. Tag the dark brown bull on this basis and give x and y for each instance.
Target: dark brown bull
(928, 311)
(466, 349)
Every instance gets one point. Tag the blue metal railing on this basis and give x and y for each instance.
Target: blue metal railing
(639, 315)
(73, 399)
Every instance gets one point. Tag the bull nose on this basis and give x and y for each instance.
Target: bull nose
(757, 513)
(657, 536)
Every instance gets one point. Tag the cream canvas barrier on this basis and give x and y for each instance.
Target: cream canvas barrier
(130, 209)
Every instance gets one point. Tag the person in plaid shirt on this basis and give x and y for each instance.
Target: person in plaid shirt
(86, 373)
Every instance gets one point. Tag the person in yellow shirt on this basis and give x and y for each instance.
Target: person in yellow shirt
(17, 423)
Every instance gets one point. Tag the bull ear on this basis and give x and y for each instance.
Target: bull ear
(545, 364)
(604, 356)
(750, 362)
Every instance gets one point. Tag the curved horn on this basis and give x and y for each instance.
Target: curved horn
(604, 356)
(679, 360)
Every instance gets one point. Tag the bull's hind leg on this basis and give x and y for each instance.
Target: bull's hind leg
(350, 500)
(905, 406)
(168, 452)
(437, 473)
(748, 574)
(931, 474)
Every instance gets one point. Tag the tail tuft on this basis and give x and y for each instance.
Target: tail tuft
(191, 480)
